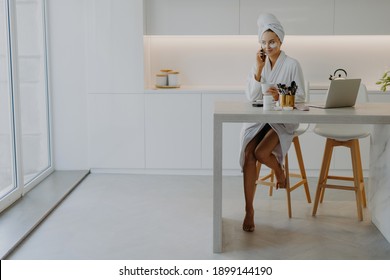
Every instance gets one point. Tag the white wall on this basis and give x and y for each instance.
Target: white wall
(68, 82)
(226, 60)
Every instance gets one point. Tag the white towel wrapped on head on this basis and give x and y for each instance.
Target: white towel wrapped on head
(268, 21)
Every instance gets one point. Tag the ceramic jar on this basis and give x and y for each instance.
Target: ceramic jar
(161, 80)
(173, 79)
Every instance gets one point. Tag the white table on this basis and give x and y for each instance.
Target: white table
(377, 114)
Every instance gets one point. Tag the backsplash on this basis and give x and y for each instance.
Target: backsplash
(226, 60)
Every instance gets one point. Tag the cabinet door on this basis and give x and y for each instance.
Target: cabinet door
(115, 46)
(379, 97)
(116, 131)
(231, 133)
(173, 131)
(188, 17)
(360, 17)
(343, 161)
(301, 17)
(312, 146)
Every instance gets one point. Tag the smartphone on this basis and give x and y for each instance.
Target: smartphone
(262, 54)
(258, 103)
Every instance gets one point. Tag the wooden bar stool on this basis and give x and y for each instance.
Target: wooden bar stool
(346, 136)
(269, 179)
(357, 179)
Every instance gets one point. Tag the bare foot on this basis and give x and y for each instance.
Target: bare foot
(249, 221)
(280, 178)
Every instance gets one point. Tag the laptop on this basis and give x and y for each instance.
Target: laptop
(341, 93)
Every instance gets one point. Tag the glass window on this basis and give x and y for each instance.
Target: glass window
(7, 176)
(33, 88)
(25, 147)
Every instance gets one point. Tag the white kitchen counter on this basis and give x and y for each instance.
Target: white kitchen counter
(377, 114)
(314, 89)
(197, 89)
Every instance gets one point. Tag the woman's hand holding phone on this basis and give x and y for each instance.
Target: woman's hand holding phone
(260, 58)
(262, 54)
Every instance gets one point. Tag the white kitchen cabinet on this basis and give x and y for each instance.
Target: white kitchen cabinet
(360, 17)
(379, 96)
(115, 46)
(188, 17)
(231, 133)
(312, 150)
(301, 17)
(116, 131)
(173, 131)
(342, 156)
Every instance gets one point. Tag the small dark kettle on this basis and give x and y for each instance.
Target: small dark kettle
(342, 74)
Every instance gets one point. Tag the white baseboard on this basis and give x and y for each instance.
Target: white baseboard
(209, 172)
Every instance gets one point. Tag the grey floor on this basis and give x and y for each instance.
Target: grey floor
(170, 217)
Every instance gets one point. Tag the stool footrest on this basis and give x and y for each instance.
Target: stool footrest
(298, 184)
(341, 178)
(269, 184)
(295, 175)
(337, 187)
(266, 177)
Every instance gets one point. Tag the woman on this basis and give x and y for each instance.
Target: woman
(267, 143)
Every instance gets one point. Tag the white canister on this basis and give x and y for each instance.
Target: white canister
(268, 99)
(268, 102)
(173, 79)
(161, 80)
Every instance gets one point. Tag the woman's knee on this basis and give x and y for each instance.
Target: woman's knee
(250, 157)
(261, 155)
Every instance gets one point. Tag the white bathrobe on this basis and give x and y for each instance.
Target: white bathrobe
(285, 70)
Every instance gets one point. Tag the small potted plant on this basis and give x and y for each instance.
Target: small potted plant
(385, 81)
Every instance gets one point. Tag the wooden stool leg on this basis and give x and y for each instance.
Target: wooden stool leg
(356, 176)
(270, 176)
(323, 173)
(327, 167)
(272, 181)
(298, 152)
(287, 174)
(361, 179)
(364, 198)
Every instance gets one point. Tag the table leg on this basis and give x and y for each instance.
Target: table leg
(217, 187)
